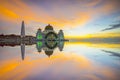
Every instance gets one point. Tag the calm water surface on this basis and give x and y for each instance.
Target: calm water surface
(77, 61)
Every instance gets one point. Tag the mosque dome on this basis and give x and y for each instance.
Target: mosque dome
(48, 27)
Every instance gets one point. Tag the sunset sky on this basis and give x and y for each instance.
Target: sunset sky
(75, 17)
(91, 26)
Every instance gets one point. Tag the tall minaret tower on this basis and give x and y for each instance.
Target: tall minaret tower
(22, 30)
(22, 38)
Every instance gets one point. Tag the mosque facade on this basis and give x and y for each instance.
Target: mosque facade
(48, 40)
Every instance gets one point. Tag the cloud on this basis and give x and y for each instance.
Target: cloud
(113, 53)
(115, 26)
(57, 13)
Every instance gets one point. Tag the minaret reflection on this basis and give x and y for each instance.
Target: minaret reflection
(22, 51)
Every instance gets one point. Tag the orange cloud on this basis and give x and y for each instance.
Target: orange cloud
(8, 13)
(19, 10)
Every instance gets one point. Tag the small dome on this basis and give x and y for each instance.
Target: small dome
(48, 27)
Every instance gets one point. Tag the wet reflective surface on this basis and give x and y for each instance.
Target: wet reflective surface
(77, 61)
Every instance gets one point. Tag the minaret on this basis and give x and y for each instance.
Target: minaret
(61, 35)
(22, 30)
(22, 38)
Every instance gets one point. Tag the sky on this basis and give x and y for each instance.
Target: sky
(74, 17)
(78, 19)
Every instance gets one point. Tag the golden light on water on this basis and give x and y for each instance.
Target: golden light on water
(91, 44)
(97, 35)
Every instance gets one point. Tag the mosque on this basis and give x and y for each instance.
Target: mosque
(48, 40)
(49, 34)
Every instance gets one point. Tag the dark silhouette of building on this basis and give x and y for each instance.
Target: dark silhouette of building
(48, 40)
(22, 29)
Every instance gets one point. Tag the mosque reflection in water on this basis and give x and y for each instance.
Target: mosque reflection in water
(47, 46)
(46, 40)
